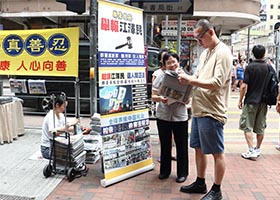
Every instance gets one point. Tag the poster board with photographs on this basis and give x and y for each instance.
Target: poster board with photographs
(18, 85)
(37, 86)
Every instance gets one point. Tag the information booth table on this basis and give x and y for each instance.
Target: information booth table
(11, 121)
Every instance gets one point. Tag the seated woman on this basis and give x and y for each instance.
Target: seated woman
(54, 122)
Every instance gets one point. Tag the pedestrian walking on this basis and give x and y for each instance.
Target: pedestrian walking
(210, 96)
(278, 110)
(233, 74)
(254, 111)
(278, 100)
(240, 68)
(171, 120)
(270, 61)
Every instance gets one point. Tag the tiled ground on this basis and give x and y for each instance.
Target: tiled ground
(244, 180)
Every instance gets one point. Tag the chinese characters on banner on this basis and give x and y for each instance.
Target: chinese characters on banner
(40, 52)
(123, 92)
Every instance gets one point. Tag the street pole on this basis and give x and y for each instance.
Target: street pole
(145, 28)
(277, 43)
(152, 29)
(248, 45)
(179, 35)
(93, 56)
(77, 99)
(166, 28)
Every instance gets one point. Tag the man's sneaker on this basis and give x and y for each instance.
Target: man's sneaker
(194, 188)
(258, 151)
(251, 154)
(212, 195)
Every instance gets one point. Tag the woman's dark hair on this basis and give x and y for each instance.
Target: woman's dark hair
(55, 99)
(59, 99)
(168, 55)
(160, 54)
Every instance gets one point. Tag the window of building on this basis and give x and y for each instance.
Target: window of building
(278, 16)
(271, 27)
(271, 6)
(278, 6)
(271, 16)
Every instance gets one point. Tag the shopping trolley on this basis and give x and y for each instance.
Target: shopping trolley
(67, 154)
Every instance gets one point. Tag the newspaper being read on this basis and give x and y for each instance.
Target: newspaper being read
(170, 87)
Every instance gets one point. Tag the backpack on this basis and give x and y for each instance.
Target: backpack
(270, 91)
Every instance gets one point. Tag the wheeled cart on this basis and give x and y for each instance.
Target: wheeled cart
(67, 156)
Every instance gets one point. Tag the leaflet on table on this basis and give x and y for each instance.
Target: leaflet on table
(170, 87)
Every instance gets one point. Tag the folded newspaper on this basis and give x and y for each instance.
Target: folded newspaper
(171, 87)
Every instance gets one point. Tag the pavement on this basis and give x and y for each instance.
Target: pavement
(244, 179)
(21, 176)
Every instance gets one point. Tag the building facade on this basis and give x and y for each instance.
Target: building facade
(228, 15)
(261, 33)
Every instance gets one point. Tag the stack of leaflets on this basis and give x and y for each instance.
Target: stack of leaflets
(4, 100)
(72, 150)
(93, 145)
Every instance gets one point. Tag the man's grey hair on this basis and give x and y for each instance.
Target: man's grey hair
(204, 24)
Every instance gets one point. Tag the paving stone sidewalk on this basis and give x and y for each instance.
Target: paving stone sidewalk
(244, 180)
(19, 175)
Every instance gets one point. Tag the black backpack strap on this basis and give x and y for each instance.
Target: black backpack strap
(266, 80)
(270, 69)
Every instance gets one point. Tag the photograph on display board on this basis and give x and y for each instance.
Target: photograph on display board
(111, 141)
(18, 86)
(37, 87)
(114, 99)
(126, 148)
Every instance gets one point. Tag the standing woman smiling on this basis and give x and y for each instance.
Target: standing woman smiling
(171, 119)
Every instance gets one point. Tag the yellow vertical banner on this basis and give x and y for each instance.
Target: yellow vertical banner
(40, 52)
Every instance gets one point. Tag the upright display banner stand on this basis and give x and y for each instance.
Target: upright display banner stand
(123, 92)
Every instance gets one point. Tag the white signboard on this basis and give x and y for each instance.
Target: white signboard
(187, 28)
(166, 7)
